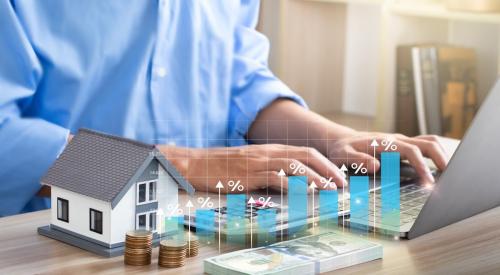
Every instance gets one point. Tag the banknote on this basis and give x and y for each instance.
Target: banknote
(307, 255)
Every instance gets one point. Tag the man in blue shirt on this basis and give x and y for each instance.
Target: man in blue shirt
(181, 74)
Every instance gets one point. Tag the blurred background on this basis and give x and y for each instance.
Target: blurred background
(412, 66)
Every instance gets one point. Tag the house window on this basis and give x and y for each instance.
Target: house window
(152, 221)
(95, 221)
(62, 210)
(141, 221)
(146, 221)
(146, 192)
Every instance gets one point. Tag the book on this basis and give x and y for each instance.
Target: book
(406, 113)
(427, 93)
(457, 70)
(307, 255)
(444, 87)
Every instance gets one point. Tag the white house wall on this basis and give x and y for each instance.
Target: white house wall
(167, 192)
(123, 216)
(78, 214)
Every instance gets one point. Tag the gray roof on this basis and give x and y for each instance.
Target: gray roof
(104, 167)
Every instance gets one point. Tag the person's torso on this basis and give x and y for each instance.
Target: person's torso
(156, 71)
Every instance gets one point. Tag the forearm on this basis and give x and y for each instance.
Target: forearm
(286, 122)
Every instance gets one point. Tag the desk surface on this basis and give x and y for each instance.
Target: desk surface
(470, 246)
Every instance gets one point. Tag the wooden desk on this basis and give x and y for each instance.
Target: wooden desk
(470, 246)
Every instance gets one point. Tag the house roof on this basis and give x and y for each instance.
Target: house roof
(104, 167)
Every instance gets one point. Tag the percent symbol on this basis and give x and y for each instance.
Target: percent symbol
(389, 145)
(235, 185)
(205, 202)
(359, 168)
(297, 167)
(174, 209)
(266, 202)
(327, 183)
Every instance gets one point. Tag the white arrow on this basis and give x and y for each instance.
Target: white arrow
(374, 144)
(313, 186)
(189, 204)
(344, 170)
(281, 174)
(219, 186)
(251, 201)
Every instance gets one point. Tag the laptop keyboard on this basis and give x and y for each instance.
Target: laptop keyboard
(412, 199)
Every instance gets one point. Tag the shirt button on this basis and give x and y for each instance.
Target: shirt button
(160, 71)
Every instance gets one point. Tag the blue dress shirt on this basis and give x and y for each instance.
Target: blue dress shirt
(189, 72)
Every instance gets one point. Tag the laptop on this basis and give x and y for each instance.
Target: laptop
(469, 185)
(425, 208)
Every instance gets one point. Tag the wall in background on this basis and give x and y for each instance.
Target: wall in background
(340, 55)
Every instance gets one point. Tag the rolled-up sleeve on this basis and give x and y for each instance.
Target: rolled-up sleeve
(28, 145)
(254, 86)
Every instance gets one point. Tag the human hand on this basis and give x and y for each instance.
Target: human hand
(256, 166)
(356, 148)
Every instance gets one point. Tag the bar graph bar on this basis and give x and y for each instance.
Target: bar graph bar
(297, 205)
(328, 209)
(236, 221)
(174, 227)
(359, 202)
(205, 222)
(390, 185)
(266, 227)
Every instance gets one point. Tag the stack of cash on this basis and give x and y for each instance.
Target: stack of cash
(307, 255)
(138, 247)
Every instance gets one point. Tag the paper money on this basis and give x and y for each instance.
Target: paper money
(307, 255)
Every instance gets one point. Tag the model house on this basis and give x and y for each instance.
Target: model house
(103, 186)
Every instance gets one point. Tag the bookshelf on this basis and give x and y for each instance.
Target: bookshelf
(361, 37)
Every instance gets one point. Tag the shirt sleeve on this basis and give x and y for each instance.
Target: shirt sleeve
(28, 145)
(253, 85)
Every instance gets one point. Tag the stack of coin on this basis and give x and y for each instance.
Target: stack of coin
(138, 247)
(172, 253)
(193, 246)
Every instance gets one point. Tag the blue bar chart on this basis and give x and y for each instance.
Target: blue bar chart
(205, 224)
(174, 227)
(236, 220)
(328, 209)
(297, 205)
(266, 222)
(359, 202)
(390, 189)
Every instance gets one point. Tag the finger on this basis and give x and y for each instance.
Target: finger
(372, 164)
(319, 163)
(271, 180)
(413, 154)
(293, 167)
(430, 149)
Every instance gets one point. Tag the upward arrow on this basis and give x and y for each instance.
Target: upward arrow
(313, 185)
(251, 200)
(219, 185)
(281, 173)
(189, 204)
(374, 143)
(343, 168)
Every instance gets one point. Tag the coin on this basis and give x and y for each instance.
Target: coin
(138, 247)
